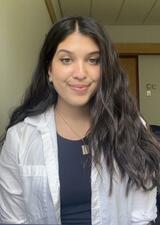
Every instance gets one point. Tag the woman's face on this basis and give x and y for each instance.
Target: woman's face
(75, 69)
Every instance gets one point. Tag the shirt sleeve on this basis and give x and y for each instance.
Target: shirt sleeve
(12, 207)
(144, 207)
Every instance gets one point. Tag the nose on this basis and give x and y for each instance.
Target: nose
(80, 71)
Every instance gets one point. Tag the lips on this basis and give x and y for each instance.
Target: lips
(79, 87)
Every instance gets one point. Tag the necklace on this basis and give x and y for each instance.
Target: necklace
(84, 147)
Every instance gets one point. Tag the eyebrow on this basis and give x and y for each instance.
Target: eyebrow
(70, 52)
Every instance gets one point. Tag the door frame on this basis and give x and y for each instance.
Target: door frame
(137, 75)
(138, 48)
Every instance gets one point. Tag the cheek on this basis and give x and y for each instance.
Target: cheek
(60, 74)
(97, 74)
(59, 82)
(56, 81)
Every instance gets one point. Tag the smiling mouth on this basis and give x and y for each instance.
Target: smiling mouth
(79, 88)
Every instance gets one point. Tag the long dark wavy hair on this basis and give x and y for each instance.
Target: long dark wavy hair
(117, 130)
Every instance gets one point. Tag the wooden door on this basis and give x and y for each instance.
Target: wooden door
(130, 66)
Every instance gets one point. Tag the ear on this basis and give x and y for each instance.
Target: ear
(50, 74)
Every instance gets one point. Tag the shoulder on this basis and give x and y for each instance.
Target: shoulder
(27, 135)
(31, 124)
(16, 132)
(17, 137)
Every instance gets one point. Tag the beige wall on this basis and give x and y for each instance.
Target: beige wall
(134, 34)
(23, 24)
(149, 75)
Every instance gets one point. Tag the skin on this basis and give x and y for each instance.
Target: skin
(75, 72)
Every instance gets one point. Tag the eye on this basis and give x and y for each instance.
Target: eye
(94, 61)
(66, 60)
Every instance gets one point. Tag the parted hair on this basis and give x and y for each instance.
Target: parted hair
(117, 130)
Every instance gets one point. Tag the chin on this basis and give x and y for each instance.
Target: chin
(79, 103)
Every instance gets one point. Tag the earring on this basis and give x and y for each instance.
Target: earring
(49, 80)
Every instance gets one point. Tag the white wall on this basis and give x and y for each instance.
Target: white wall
(23, 25)
(149, 73)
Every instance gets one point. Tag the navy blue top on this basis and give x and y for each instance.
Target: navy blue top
(75, 182)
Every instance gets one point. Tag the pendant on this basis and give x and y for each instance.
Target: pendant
(85, 149)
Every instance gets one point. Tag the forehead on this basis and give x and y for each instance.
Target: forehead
(77, 40)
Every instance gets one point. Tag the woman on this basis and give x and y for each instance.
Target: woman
(76, 150)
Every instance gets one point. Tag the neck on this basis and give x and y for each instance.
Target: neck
(72, 112)
(72, 122)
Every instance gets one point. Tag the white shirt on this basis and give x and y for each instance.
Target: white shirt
(30, 187)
